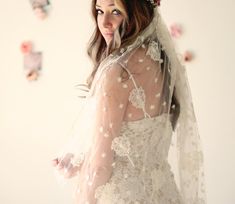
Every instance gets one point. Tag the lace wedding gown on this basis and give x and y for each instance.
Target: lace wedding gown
(135, 181)
(122, 140)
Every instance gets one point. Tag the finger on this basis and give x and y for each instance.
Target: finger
(71, 172)
(64, 167)
(67, 159)
(55, 162)
(60, 166)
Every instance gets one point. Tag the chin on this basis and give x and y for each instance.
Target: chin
(108, 42)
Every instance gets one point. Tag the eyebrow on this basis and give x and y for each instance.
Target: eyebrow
(108, 5)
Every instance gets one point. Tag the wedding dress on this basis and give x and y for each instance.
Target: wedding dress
(139, 99)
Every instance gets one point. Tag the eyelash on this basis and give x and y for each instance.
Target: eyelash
(116, 10)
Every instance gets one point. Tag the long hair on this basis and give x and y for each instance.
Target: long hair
(138, 14)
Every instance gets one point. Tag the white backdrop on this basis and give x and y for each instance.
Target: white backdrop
(35, 117)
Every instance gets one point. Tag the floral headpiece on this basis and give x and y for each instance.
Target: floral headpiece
(155, 2)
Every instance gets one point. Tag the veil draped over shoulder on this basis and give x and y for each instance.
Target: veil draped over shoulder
(143, 81)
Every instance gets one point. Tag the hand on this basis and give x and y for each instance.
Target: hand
(65, 167)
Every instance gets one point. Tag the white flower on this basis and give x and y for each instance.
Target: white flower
(121, 145)
(154, 51)
(137, 97)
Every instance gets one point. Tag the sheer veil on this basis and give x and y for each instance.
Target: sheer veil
(155, 88)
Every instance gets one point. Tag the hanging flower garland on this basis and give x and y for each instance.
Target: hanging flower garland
(32, 61)
(40, 8)
(155, 2)
(176, 32)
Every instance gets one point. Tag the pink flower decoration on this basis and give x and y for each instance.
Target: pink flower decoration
(39, 3)
(40, 13)
(26, 47)
(32, 65)
(175, 30)
(188, 56)
(33, 60)
(33, 75)
(158, 2)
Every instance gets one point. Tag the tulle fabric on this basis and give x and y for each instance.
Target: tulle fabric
(140, 82)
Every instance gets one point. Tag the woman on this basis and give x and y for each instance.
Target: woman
(138, 97)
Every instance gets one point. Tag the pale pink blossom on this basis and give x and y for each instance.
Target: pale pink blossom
(175, 30)
(188, 56)
(26, 47)
(40, 13)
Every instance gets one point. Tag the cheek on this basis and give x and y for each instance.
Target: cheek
(117, 23)
(99, 25)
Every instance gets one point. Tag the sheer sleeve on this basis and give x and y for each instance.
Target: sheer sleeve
(111, 99)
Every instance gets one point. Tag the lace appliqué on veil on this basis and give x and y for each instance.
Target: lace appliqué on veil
(121, 145)
(137, 97)
(154, 51)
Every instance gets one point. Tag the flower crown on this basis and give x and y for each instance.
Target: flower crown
(155, 2)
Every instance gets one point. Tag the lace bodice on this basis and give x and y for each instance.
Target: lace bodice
(135, 181)
(136, 137)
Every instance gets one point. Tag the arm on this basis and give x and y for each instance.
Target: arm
(111, 101)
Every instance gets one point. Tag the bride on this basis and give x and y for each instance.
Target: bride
(138, 99)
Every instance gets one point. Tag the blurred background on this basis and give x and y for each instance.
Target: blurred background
(36, 116)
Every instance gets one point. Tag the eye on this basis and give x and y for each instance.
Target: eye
(116, 12)
(98, 11)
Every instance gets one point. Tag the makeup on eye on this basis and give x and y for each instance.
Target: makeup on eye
(114, 11)
(117, 12)
(99, 11)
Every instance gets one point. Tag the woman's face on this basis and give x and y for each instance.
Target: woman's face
(109, 18)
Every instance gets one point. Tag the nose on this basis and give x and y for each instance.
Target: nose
(107, 23)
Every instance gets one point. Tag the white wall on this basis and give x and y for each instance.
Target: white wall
(35, 117)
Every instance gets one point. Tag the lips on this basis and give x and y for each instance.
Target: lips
(108, 34)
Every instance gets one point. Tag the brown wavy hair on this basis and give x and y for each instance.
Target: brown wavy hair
(138, 14)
